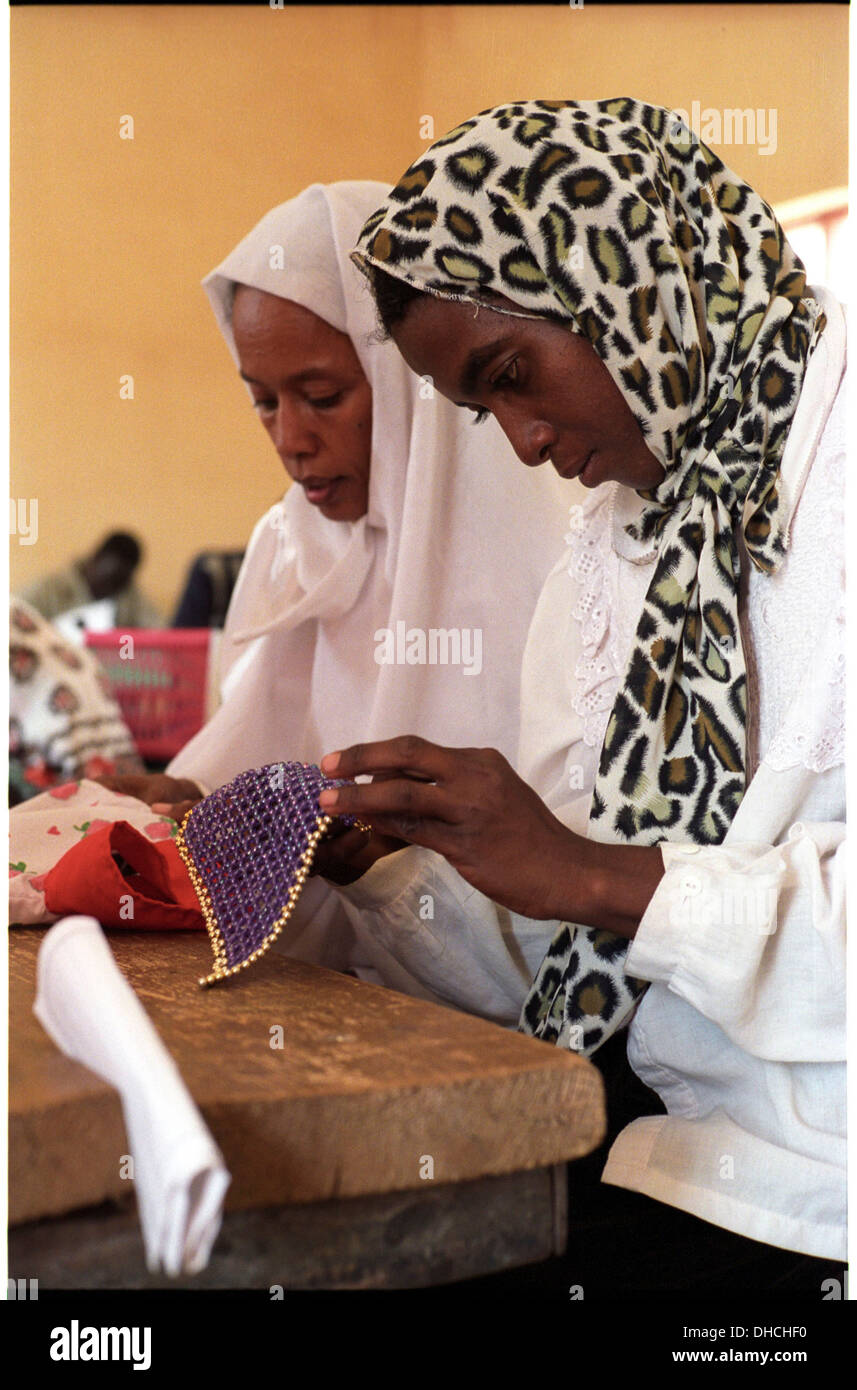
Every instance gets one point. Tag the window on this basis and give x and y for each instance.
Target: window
(817, 228)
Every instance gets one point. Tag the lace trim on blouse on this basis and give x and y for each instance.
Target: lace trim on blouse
(780, 620)
(591, 562)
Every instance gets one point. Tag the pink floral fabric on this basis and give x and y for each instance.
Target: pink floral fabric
(42, 829)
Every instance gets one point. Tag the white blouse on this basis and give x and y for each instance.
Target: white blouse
(742, 1030)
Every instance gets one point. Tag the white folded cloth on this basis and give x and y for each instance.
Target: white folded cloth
(87, 1006)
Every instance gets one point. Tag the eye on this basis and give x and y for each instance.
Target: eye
(325, 402)
(507, 377)
(263, 407)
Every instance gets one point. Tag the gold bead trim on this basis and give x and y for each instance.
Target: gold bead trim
(221, 970)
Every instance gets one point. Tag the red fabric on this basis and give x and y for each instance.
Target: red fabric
(87, 879)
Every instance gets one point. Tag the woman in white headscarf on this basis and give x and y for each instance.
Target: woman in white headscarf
(394, 584)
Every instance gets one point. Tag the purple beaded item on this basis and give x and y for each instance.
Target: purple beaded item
(248, 849)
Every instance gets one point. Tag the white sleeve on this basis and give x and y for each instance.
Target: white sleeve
(753, 937)
(413, 910)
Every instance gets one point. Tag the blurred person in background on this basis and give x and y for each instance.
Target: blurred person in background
(208, 589)
(106, 577)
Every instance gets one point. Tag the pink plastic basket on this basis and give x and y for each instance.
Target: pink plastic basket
(159, 679)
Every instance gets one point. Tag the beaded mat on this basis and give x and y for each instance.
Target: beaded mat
(248, 849)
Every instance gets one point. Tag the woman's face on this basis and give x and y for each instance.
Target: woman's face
(311, 395)
(551, 394)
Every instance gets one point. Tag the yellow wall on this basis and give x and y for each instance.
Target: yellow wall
(236, 109)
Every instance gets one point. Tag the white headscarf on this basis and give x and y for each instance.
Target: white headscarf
(458, 535)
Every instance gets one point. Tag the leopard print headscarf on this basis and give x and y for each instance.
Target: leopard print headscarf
(614, 216)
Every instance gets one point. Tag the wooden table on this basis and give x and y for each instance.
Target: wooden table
(326, 1138)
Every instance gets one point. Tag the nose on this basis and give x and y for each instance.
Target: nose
(290, 432)
(531, 439)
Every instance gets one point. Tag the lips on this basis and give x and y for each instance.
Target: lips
(319, 490)
(575, 470)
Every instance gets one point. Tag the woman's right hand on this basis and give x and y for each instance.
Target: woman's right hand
(169, 796)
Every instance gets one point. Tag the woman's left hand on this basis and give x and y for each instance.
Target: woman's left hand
(346, 852)
(468, 805)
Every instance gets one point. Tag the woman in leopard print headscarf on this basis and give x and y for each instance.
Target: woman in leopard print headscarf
(629, 310)
(612, 218)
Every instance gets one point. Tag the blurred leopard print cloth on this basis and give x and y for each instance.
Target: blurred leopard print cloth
(613, 216)
(64, 723)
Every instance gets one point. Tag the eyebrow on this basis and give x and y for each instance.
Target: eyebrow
(311, 373)
(475, 363)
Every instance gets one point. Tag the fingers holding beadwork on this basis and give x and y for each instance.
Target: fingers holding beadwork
(176, 810)
(337, 855)
(408, 753)
(347, 831)
(400, 832)
(345, 856)
(483, 818)
(155, 789)
(400, 798)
